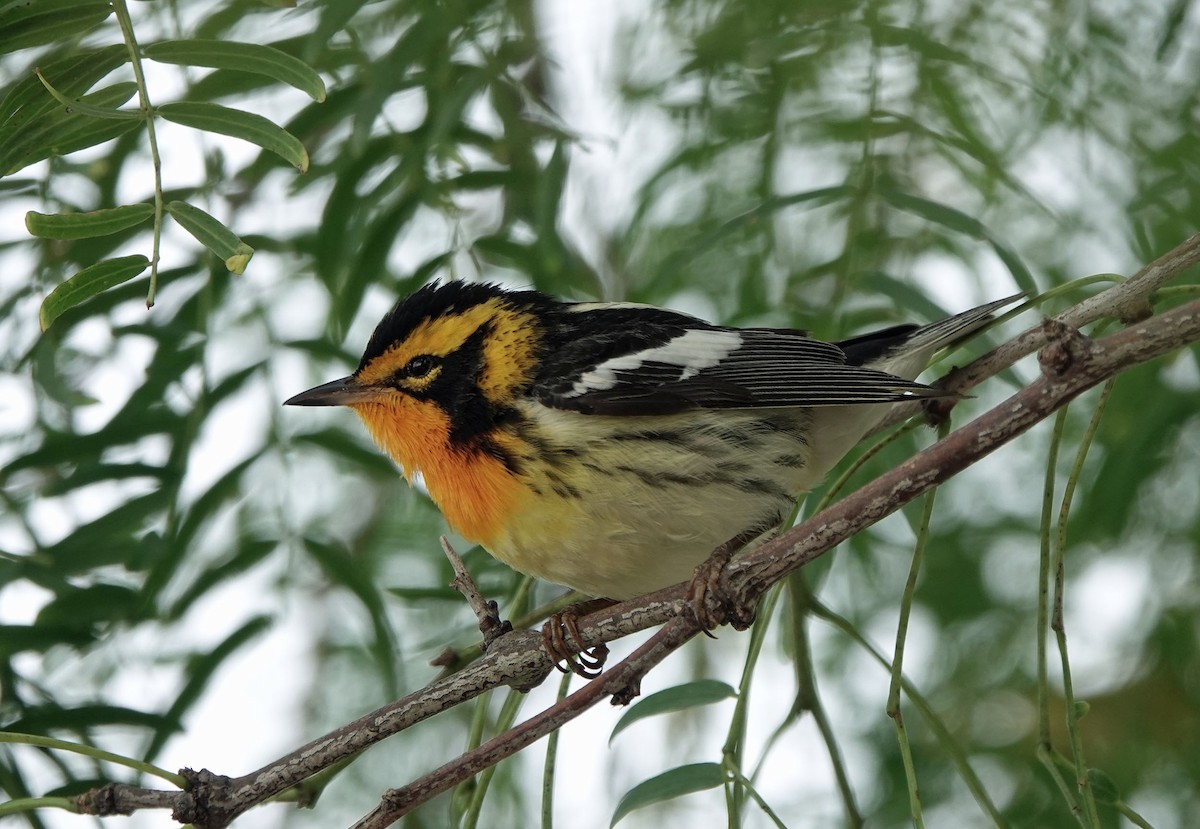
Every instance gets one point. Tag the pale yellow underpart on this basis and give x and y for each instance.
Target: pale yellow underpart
(619, 534)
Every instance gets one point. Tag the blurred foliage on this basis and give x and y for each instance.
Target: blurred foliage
(787, 162)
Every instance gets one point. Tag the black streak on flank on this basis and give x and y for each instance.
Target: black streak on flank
(659, 478)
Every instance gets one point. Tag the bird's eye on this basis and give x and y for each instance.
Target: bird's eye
(419, 366)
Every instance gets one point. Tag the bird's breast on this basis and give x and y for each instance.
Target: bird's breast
(474, 488)
(619, 506)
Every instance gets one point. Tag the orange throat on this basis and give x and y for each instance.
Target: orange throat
(474, 490)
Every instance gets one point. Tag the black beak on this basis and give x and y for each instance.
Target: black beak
(341, 392)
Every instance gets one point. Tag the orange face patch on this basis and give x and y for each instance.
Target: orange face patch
(509, 352)
(474, 490)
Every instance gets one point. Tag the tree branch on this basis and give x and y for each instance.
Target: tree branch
(618, 681)
(1071, 364)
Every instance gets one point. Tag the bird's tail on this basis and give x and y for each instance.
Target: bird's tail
(906, 350)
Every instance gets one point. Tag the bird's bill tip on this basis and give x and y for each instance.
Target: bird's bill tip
(342, 392)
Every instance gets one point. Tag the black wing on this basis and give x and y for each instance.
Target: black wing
(632, 361)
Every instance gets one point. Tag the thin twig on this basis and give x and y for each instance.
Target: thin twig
(508, 715)
(893, 703)
(121, 10)
(734, 747)
(486, 612)
(946, 739)
(1057, 622)
(1045, 750)
(564, 685)
(808, 698)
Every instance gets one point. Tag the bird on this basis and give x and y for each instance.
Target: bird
(612, 447)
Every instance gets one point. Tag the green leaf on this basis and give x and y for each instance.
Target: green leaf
(918, 41)
(17, 638)
(82, 133)
(59, 131)
(87, 225)
(212, 234)
(1105, 789)
(115, 538)
(697, 777)
(82, 107)
(87, 283)
(43, 718)
(72, 76)
(935, 212)
(247, 57)
(956, 220)
(341, 568)
(340, 443)
(36, 22)
(334, 17)
(678, 698)
(1016, 267)
(83, 607)
(249, 553)
(238, 124)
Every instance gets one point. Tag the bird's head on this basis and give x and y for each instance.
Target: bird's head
(443, 366)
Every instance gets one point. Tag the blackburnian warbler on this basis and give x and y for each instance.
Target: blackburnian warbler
(611, 447)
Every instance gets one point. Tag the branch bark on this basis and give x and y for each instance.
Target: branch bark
(1071, 364)
(620, 680)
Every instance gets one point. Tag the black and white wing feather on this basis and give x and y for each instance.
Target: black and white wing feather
(627, 361)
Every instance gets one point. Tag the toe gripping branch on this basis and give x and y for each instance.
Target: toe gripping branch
(565, 645)
(711, 600)
(560, 634)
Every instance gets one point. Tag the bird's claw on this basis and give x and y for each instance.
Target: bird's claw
(711, 599)
(563, 643)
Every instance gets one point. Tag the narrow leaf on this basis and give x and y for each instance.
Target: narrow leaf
(82, 107)
(697, 777)
(72, 76)
(59, 132)
(212, 234)
(88, 282)
(42, 718)
(87, 225)
(1105, 789)
(36, 22)
(678, 698)
(1016, 267)
(17, 638)
(935, 212)
(238, 124)
(82, 133)
(246, 57)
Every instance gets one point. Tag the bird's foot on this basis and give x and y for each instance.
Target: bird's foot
(561, 639)
(711, 599)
